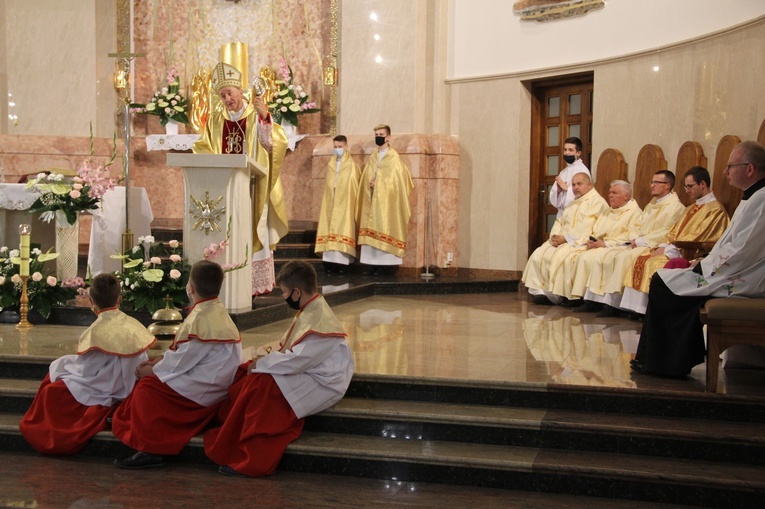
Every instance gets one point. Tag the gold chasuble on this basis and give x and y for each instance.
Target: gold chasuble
(613, 228)
(700, 223)
(115, 333)
(337, 219)
(383, 204)
(577, 221)
(316, 317)
(225, 136)
(658, 217)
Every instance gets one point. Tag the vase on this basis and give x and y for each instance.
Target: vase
(67, 246)
(171, 128)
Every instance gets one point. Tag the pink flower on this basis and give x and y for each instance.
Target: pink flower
(173, 244)
(147, 264)
(51, 280)
(175, 258)
(284, 69)
(37, 277)
(76, 187)
(175, 274)
(156, 260)
(74, 194)
(16, 279)
(2, 280)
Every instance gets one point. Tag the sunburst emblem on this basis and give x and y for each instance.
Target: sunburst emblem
(207, 213)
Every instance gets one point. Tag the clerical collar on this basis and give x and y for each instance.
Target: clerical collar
(753, 189)
(659, 200)
(706, 199)
(236, 115)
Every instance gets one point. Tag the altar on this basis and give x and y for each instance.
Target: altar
(15, 200)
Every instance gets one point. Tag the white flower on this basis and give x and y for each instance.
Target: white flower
(291, 87)
(175, 274)
(145, 264)
(127, 281)
(279, 101)
(303, 94)
(3, 249)
(283, 108)
(40, 175)
(58, 177)
(164, 90)
(37, 251)
(132, 287)
(136, 249)
(14, 253)
(15, 279)
(36, 277)
(47, 216)
(149, 239)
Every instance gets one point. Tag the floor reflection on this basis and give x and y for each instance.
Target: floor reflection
(490, 337)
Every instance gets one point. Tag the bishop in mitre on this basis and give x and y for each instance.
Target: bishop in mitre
(604, 283)
(611, 229)
(243, 127)
(577, 221)
(703, 221)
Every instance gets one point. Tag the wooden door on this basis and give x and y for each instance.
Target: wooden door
(561, 108)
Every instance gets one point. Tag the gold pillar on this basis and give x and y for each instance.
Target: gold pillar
(235, 53)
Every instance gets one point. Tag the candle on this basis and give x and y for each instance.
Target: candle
(24, 232)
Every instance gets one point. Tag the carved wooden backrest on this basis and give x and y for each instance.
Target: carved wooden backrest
(650, 159)
(761, 134)
(690, 154)
(611, 166)
(726, 194)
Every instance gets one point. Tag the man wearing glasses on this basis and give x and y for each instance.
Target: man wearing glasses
(604, 283)
(703, 221)
(672, 339)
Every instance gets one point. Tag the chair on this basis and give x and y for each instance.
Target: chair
(731, 321)
(611, 166)
(690, 154)
(650, 159)
(726, 194)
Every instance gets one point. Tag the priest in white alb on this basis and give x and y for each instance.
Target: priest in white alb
(611, 229)
(604, 283)
(703, 221)
(576, 222)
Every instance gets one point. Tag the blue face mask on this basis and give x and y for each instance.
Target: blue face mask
(294, 304)
(339, 152)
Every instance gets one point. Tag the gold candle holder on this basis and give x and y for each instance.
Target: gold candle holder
(24, 305)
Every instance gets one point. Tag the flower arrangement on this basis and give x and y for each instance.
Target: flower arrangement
(168, 103)
(289, 100)
(152, 271)
(71, 195)
(215, 249)
(43, 289)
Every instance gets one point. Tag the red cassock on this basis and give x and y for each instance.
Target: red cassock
(158, 420)
(258, 425)
(57, 424)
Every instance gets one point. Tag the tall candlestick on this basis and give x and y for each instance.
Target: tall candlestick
(25, 232)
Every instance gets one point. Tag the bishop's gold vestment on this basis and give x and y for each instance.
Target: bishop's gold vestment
(337, 220)
(577, 221)
(383, 203)
(268, 198)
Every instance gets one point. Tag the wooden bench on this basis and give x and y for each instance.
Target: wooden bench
(731, 321)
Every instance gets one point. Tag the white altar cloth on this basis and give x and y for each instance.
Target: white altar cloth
(109, 224)
(171, 141)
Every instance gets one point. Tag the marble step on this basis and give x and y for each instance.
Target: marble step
(509, 426)
(614, 475)
(287, 251)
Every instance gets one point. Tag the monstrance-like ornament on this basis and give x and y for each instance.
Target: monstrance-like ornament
(207, 213)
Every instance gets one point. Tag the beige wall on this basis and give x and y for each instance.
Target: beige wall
(701, 92)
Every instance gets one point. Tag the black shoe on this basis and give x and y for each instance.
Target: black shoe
(541, 300)
(227, 470)
(638, 367)
(636, 317)
(589, 307)
(140, 460)
(574, 303)
(608, 312)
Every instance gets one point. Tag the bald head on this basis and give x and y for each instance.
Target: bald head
(581, 184)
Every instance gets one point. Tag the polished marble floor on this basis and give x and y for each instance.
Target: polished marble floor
(30, 480)
(496, 337)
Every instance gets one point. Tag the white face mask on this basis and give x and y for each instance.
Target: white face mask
(339, 151)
